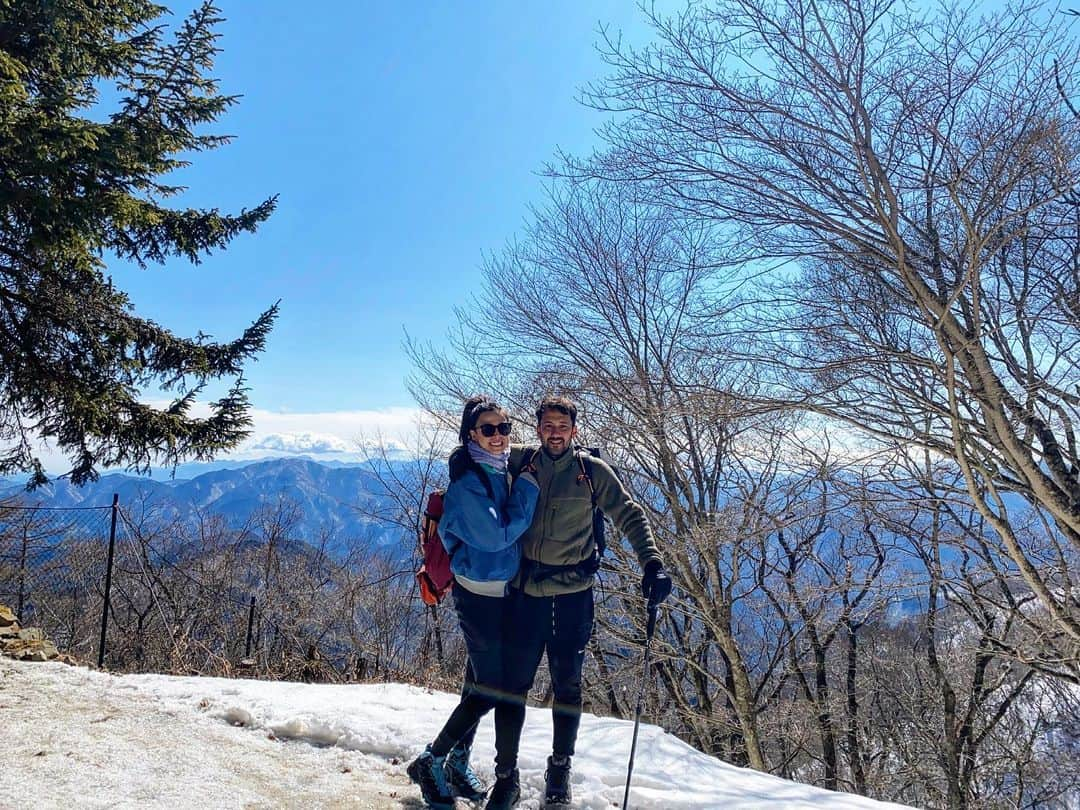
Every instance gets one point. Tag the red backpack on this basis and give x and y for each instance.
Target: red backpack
(434, 576)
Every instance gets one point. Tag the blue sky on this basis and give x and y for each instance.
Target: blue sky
(404, 140)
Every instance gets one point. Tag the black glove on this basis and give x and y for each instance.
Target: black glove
(655, 584)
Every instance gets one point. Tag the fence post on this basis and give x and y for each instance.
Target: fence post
(22, 574)
(251, 621)
(108, 581)
(439, 655)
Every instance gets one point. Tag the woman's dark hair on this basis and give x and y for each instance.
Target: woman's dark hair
(474, 406)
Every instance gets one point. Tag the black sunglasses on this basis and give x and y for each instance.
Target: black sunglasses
(488, 431)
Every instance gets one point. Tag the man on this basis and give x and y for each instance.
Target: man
(551, 604)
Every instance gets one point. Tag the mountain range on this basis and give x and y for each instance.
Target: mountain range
(343, 500)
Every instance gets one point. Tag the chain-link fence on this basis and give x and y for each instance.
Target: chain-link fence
(52, 571)
(140, 590)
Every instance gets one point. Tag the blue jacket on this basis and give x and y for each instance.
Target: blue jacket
(482, 537)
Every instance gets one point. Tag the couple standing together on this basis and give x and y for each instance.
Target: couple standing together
(523, 556)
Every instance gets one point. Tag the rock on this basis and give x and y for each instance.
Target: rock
(31, 650)
(32, 655)
(28, 644)
(7, 617)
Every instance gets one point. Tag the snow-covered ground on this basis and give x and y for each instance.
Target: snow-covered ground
(77, 738)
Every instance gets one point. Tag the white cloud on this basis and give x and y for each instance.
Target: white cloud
(344, 435)
(315, 443)
(328, 435)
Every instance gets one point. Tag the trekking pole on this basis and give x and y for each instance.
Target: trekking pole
(649, 628)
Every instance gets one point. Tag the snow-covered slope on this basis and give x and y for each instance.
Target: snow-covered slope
(77, 738)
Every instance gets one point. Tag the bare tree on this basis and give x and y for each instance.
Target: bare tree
(768, 653)
(820, 572)
(603, 298)
(909, 177)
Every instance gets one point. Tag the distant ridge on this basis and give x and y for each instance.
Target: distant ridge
(336, 497)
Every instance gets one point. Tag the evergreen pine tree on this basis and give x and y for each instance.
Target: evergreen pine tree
(78, 185)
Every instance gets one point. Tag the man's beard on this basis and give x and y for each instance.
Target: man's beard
(552, 453)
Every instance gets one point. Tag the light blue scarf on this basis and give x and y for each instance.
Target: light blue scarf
(482, 456)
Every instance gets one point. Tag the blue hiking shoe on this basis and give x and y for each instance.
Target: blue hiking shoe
(462, 778)
(429, 772)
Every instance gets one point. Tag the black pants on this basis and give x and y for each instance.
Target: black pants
(482, 620)
(562, 625)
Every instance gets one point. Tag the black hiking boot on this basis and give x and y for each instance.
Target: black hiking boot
(506, 792)
(463, 779)
(557, 776)
(429, 772)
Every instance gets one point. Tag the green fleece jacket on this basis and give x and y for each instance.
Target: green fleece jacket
(561, 529)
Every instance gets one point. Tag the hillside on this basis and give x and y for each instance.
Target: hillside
(340, 499)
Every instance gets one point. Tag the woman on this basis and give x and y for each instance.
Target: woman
(484, 516)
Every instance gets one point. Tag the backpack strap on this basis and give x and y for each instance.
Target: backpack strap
(585, 462)
(526, 462)
(585, 459)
